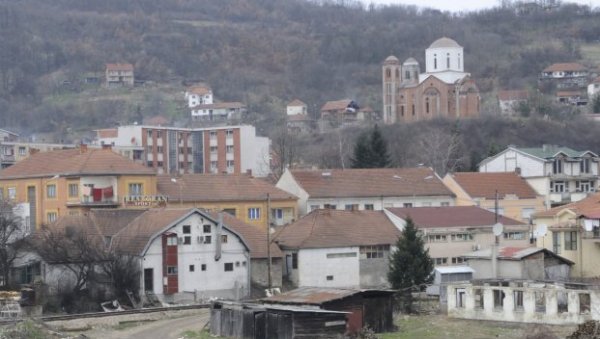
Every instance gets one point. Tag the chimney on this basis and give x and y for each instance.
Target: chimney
(83, 148)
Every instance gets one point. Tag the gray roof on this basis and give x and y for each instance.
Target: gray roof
(444, 43)
(551, 151)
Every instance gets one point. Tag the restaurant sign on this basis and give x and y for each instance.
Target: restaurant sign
(145, 200)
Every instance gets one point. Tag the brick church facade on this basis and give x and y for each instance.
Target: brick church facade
(444, 90)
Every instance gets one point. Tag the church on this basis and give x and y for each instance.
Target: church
(444, 90)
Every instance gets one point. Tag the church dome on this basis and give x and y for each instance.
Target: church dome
(391, 60)
(410, 61)
(444, 43)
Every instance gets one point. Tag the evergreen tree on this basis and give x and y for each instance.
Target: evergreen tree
(410, 263)
(370, 151)
(379, 152)
(596, 103)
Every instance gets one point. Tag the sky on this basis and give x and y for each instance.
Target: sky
(462, 5)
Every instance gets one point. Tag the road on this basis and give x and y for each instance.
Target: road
(160, 329)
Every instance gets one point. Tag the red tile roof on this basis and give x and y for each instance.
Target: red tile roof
(452, 216)
(296, 103)
(107, 133)
(485, 185)
(508, 95)
(589, 206)
(74, 162)
(219, 187)
(200, 89)
(565, 67)
(374, 182)
(338, 228)
(336, 105)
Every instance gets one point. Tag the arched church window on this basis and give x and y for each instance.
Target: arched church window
(426, 105)
(388, 73)
(458, 65)
(397, 73)
(407, 75)
(435, 61)
(447, 60)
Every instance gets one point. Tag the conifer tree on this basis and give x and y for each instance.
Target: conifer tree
(370, 151)
(410, 263)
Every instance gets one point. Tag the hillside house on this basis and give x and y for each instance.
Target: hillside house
(560, 174)
(565, 75)
(298, 120)
(333, 248)
(365, 189)
(516, 198)
(119, 75)
(509, 101)
(450, 232)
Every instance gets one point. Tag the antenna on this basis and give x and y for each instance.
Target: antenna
(497, 229)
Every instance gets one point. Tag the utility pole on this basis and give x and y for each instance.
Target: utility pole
(269, 239)
(496, 240)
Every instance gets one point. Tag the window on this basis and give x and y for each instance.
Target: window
(203, 267)
(408, 204)
(413, 109)
(213, 167)
(498, 299)
(224, 238)
(369, 207)
(187, 229)
(445, 204)
(136, 189)
(172, 241)
(458, 260)
(213, 135)
(230, 211)
(330, 206)
(73, 190)
(514, 235)
(51, 191)
(158, 134)
(437, 238)
(351, 207)
(229, 149)
(192, 268)
(172, 270)
(374, 252)
(571, 241)
(159, 164)
(426, 105)
(584, 165)
(447, 60)
(584, 186)
(461, 237)
(584, 303)
(213, 150)
(294, 261)
(277, 213)
(207, 239)
(518, 300)
(228, 266)
(540, 302)
(187, 240)
(563, 301)
(556, 242)
(22, 150)
(407, 75)
(51, 216)
(12, 193)
(557, 166)
(229, 133)
(557, 186)
(206, 228)
(478, 298)
(254, 213)
(435, 61)
(314, 207)
(329, 277)
(440, 261)
(159, 149)
(230, 163)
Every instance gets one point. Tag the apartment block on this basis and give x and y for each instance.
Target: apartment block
(172, 150)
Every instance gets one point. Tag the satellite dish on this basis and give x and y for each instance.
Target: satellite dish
(541, 230)
(588, 224)
(497, 229)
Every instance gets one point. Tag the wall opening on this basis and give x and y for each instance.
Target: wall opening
(518, 300)
(584, 303)
(562, 302)
(540, 302)
(498, 300)
(478, 298)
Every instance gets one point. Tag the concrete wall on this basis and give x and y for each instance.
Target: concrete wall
(287, 183)
(259, 272)
(373, 272)
(379, 203)
(509, 159)
(528, 313)
(315, 267)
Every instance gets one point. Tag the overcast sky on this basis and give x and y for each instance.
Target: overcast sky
(462, 5)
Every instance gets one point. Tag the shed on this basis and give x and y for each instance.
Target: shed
(254, 321)
(372, 308)
(445, 275)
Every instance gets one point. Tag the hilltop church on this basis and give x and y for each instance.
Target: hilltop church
(444, 90)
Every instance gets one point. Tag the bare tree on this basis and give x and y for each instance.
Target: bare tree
(440, 149)
(285, 147)
(11, 238)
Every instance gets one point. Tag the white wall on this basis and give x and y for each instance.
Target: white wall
(214, 278)
(314, 267)
(293, 110)
(379, 203)
(510, 159)
(456, 59)
(130, 135)
(255, 152)
(287, 183)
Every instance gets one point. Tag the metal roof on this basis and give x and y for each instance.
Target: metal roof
(317, 295)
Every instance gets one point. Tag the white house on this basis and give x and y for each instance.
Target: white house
(365, 189)
(296, 107)
(560, 174)
(332, 248)
(593, 88)
(199, 95)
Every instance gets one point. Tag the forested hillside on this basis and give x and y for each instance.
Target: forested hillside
(261, 52)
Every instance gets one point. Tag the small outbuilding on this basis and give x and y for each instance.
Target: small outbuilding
(370, 308)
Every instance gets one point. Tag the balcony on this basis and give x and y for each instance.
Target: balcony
(90, 202)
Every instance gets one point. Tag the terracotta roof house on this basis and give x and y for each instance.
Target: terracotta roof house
(240, 195)
(560, 174)
(365, 189)
(200, 94)
(449, 232)
(184, 254)
(216, 111)
(71, 181)
(564, 76)
(573, 231)
(508, 100)
(516, 198)
(527, 263)
(333, 248)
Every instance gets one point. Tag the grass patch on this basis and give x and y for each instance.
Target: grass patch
(204, 334)
(123, 325)
(590, 52)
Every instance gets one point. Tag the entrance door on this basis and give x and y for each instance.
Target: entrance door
(149, 279)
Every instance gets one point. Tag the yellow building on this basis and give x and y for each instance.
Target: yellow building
(516, 198)
(242, 196)
(573, 231)
(70, 182)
